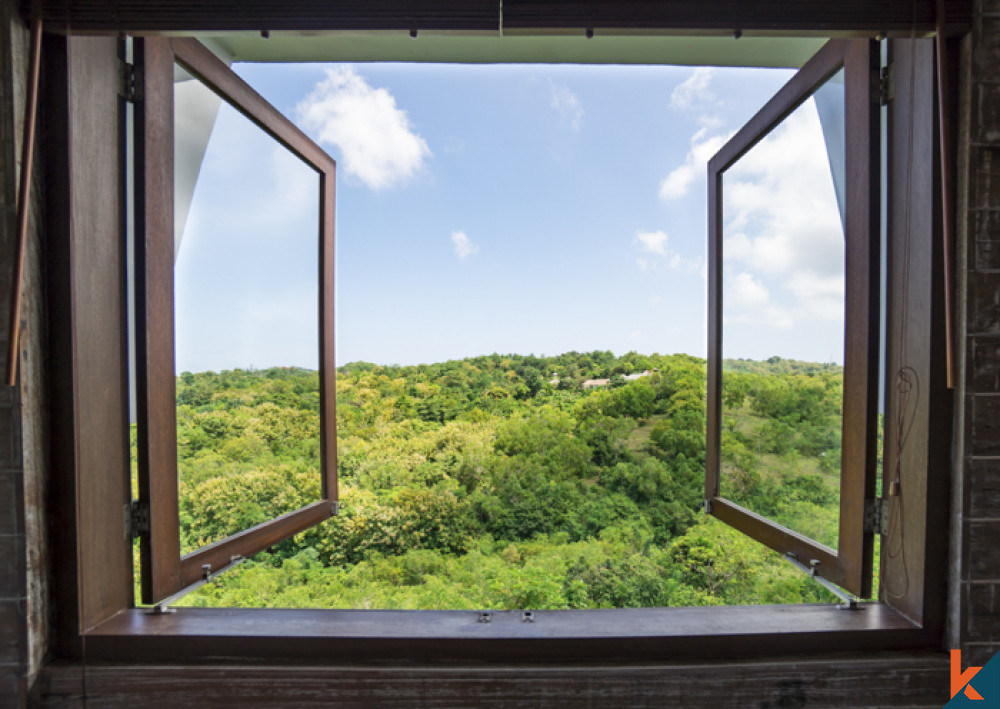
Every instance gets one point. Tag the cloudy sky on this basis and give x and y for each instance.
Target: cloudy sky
(528, 209)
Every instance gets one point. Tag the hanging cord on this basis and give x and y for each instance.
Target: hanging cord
(24, 196)
(907, 385)
(947, 220)
(906, 382)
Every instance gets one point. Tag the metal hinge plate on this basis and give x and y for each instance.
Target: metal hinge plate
(136, 519)
(129, 82)
(877, 516)
(884, 85)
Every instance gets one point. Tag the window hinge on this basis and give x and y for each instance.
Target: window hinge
(877, 516)
(129, 82)
(136, 517)
(884, 85)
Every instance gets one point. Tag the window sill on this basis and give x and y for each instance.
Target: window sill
(204, 634)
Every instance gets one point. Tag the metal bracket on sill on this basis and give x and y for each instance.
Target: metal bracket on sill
(163, 607)
(850, 602)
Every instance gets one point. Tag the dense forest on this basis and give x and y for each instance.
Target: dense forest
(509, 481)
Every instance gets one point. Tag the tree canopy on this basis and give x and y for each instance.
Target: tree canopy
(498, 482)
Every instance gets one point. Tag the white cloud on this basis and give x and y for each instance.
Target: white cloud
(823, 296)
(782, 219)
(711, 121)
(376, 141)
(703, 146)
(747, 301)
(463, 244)
(744, 292)
(654, 245)
(693, 90)
(567, 105)
(783, 245)
(774, 316)
(783, 238)
(653, 241)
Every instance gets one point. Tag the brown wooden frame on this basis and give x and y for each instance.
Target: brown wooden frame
(850, 565)
(164, 570)
(92, 569)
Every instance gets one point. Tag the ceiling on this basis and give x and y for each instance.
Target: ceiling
(523, 47)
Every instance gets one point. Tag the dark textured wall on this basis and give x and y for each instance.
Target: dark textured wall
(13, 585)
(24, 605)
(980, 564)
(13, 567)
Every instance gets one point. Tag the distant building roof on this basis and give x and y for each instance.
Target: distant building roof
(591, 383)
(637, 375)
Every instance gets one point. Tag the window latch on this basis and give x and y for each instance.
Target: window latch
(135, 516)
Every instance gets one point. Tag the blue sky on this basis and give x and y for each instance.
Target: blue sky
(528, 209)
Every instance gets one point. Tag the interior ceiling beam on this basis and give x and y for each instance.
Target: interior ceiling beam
(311, 16)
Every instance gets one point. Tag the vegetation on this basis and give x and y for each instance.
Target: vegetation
(498, 482)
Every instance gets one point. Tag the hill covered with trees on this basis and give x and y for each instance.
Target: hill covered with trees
(499, 482)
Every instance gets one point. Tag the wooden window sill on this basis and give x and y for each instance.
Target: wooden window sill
(206, 634)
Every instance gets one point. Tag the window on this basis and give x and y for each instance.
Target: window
(95, 599)
(211, 278)
(241, 267)
(845, 69)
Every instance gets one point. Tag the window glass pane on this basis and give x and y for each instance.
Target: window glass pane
(783, 320)
(246, 314)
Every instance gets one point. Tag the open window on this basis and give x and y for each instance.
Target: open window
(92, 567)
(282, 225)
(798, 268)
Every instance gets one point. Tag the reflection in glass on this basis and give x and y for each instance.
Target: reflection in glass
(783, 320)
(246, 315)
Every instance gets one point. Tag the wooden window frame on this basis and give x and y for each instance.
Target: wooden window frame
(92, 564)
(850, 565)
(164, 570)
